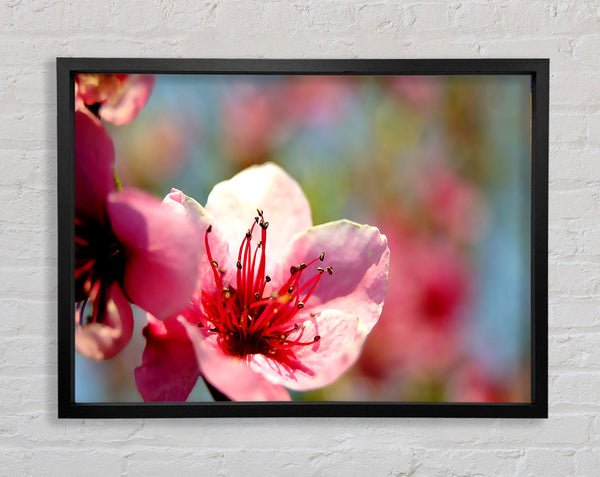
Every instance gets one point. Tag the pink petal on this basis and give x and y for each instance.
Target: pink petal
(341, 339)
(267, 187)
(180, 203)
(122, 109)
(161, 250)
(105, 340)
(231, 375)
(169, 368)
(94, 162)
(360, 259)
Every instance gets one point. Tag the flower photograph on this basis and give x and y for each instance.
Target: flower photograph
(309, 238)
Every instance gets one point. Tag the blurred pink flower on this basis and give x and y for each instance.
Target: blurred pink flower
(421, 92)
(315, 100)
(267, 316)
(128, 247)
(118, 98)
(456, 208)
(420, 327)
(472, 383)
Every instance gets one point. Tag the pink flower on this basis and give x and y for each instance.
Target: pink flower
(115, 98)
(420, 329)
(422, 92)
(280, 303)
(473, 383)
(128, 247)
(456, 208)
(315, 100)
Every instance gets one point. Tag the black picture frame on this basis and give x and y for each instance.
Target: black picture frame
(538, 69)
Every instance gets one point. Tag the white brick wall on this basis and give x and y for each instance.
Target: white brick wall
(34, 442)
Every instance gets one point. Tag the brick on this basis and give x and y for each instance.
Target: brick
(575, 351)
(379, 17)
(44, 15)
(431, 16)
(573, 204)
(568, 127)
(563, 93)
(572, 313)
(587, 461)
(574, 166)
(574, 279)
(585, 48)
(468, 462)
(558, 430)
(593, 128)
(579, 388)
(547, 462)
(472, 17)
(61, 461)
(15, 461)
(164, 461)
(23, 354)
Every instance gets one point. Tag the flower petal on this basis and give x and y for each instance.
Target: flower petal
(105, 340)
(161, 250)
(123, 108)
(94, 162)
(341, 339)
(267, 187)
(230, 375)
(360, 259)
(169, 368)
(219, 251)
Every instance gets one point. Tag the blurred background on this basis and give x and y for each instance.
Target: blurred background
(440, 164)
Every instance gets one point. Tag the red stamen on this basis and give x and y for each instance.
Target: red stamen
(246, 321)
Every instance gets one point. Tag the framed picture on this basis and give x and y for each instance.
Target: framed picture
(347, 238)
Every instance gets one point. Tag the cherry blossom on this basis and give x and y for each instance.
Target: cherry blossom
(116, 98)
(421, 329)
(128, 247)
(280, 303)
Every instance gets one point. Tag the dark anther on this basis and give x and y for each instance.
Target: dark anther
(259, 244)
(215, 264)
(248, 234)
(317, 338)
(257, 296)
(330, 270)
(260, 212)
(264, 224)
(267, 279)
(320, 270)
(302, 266)
(296, 326)
(239, 265)
(322, 256)
(290, 289)
(293, 269)
(256, 219)
(209, 229)
(300, 305)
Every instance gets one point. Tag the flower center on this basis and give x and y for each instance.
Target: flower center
(99, 262)
(247, 319)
